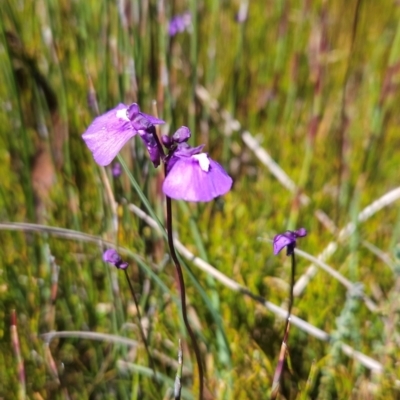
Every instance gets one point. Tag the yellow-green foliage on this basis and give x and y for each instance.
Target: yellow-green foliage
(315, 81)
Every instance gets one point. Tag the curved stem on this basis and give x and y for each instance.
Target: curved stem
(182, 292)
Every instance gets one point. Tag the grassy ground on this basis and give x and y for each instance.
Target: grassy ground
(312, 86)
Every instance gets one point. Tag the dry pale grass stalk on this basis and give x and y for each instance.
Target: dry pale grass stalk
(368, 362)
(17, 352)
(345, 233)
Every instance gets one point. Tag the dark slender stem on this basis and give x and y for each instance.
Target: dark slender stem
(284, 346)
(181, 286)
(291, 289)
(150, 358)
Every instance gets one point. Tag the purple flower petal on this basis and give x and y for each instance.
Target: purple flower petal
(153, 120)
(196, 178)
(181, 135)
(282, 240)
(185, 150)
(288, 239)
(108, 133)
(301, 232)
(112, 257)
(141, 120)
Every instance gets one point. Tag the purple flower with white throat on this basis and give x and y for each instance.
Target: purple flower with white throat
(191, 174)
(112, 257)
(288, 240)
(109, 132)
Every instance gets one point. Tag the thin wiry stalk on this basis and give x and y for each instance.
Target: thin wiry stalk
(281, 363)
(150, 358)
(293, 257)
(182, 292)
(18, 356)
(178, 378)
(282, 354)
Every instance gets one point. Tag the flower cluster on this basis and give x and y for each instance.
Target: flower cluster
(190, 174)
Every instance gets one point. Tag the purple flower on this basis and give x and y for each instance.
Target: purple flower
(116, 170)
(288, 239)
(109, 132)
(179, 23)
(111, 256)
(192, 175)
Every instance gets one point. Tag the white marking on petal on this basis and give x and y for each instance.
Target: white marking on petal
(203, 161)
(123, 114)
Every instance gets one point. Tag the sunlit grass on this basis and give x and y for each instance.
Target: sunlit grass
(314, 82)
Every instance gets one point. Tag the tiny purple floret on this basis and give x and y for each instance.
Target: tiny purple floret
(179, 23)
(288, 240)
(181, 135)
(112, 257)
(116, 170)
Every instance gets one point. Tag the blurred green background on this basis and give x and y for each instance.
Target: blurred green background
(312, 84)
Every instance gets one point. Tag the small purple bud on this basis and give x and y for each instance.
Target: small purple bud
(167, 141)
(181, 135)
(112, 257)
(132, 111)
(150, 142)
(301, 232)
(116, 170)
